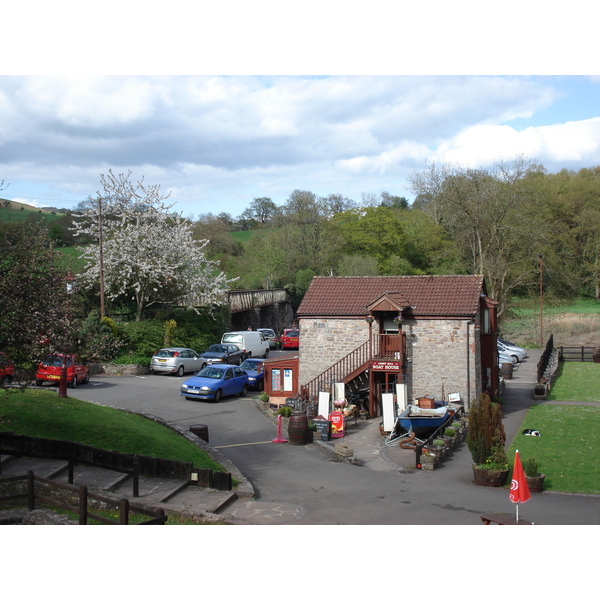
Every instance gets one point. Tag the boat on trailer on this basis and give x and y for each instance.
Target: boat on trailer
(423, 420)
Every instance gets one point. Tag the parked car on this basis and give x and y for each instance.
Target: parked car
(252, 343)
(519, 353)
(270, 336)
(7, 370)
(504, 357)
(223, 353)
(216, 381)
(290, 339)
(50, 369)
(256, 374)
(176, 361)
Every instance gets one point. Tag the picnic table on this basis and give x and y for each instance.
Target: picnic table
(503, 519)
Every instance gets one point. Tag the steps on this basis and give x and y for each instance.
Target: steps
(172, 495)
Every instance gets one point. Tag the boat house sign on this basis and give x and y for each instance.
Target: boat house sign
(388, 366)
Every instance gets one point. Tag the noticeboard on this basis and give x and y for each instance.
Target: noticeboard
(388, 366)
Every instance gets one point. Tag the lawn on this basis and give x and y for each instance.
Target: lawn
(42, 413)
(567, 449)
(577, 382)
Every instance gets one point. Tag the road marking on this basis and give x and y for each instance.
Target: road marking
(246, 444)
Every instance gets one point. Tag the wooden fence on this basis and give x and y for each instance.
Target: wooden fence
(579, 353)
(133, 465)
(123, 506)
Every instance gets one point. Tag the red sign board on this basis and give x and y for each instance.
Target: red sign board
(337, 424)
(386, 365)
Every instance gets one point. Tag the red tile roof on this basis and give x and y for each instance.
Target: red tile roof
(431, 295)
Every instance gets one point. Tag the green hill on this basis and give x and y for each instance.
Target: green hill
(17, 212)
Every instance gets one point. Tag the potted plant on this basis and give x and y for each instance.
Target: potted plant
(449, 436)
(263, 400)
(486, 439)
(535, 479)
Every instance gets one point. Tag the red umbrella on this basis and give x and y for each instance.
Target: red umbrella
(519, 490)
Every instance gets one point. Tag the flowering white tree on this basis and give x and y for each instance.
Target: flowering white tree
(145, 252)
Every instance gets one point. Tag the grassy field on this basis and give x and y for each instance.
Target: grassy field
(575, 323)
(42, 413)
(19, 213)
(567, 449)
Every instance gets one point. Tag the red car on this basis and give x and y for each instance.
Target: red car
(290, 339)
(7, 371)
(50, 369)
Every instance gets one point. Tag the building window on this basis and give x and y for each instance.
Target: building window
(281, 385)
(485, 318)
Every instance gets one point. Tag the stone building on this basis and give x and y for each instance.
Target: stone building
(435, 334)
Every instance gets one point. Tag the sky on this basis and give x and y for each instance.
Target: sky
(221, 110)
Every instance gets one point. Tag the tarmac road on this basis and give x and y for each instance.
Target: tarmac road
(325, 490)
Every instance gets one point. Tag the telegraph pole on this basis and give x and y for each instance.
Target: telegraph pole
(541, 303)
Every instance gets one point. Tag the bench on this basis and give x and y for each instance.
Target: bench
(503, 519)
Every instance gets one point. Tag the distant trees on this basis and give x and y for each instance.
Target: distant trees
(494, 218)
(145, 252)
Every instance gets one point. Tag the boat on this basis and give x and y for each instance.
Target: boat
(423, 420)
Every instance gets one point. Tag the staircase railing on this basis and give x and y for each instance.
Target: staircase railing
(382, 346)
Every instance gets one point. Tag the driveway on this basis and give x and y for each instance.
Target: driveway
(328, 491)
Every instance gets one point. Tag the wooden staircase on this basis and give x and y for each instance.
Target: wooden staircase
(379, 347)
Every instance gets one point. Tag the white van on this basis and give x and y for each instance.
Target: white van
(252, 343)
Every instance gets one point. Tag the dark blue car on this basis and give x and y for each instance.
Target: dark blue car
(215, 381)
(256, 374)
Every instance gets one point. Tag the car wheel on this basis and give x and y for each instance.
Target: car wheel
(87, 377)
(6, 381)
(244, 390)
(73, 383)
(38, 382)
(260, 386)
(266, 353)
(180, 371)
(218, 395)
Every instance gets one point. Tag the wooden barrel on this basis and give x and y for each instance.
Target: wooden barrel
(297, 429)
(506, 370)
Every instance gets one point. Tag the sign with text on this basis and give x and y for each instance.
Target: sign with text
(387, 365)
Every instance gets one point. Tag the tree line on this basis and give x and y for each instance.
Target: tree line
(498, 222)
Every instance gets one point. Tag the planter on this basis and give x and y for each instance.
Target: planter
(536, 484)
(490, 478)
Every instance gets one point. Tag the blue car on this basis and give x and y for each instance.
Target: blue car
(256, 374)
(215, 381)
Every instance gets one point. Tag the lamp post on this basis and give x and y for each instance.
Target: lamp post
(540, 257)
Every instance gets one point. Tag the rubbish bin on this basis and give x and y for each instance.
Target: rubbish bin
(201, 431)
(323, 428)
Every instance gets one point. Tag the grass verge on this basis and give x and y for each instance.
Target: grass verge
(40, 413)
(576, 382)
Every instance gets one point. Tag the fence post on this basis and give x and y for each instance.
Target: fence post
(30, 491)
(83, 510)
(124, 512)
(136, 476)
(70, 471)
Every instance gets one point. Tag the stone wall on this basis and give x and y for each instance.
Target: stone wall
(441, 353)
(325, 341)
(118, 370)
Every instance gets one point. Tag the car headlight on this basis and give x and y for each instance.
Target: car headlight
(251, 378)
(184, 387)
(205, 388)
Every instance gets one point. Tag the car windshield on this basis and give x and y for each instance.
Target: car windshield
(291, 333)
(211, 373)
(216, 348)
(56, 361)
(166, 353)
(251, 365)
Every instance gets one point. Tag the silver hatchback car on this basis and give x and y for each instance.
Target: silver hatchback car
(176, 361)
